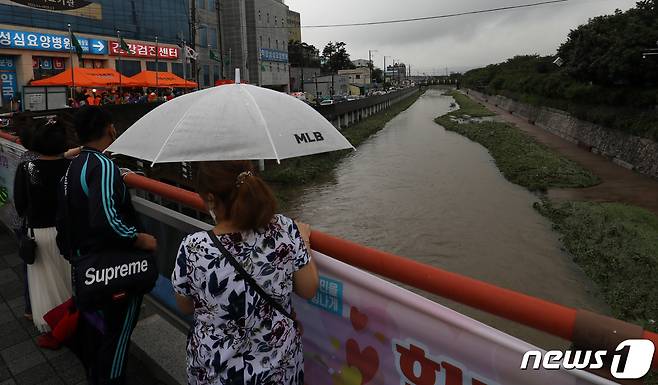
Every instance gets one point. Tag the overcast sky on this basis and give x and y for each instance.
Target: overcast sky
(460, 42)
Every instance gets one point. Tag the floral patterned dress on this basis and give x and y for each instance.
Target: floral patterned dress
(237, 337)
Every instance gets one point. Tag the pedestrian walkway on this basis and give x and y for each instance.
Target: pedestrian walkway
(618, 184)
(22, 362)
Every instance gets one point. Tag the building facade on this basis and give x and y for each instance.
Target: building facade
(294, 26)
(299, 73)
(359, 77)
(206, 38)
(35, 42)
(327, 86)
(256, 39)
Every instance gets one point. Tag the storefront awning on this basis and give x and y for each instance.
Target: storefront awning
(164, 80)
(87, 77)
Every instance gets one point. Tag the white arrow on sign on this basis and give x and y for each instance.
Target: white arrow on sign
(98, 45)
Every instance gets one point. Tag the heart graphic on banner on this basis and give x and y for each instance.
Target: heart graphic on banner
(366, 360)
(359, 320)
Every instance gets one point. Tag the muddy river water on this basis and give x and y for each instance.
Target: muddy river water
(417, 190)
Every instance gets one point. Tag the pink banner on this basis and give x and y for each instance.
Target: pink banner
(360, 329)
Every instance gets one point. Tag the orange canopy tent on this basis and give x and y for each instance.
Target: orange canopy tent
(164, 80)
(86, 77)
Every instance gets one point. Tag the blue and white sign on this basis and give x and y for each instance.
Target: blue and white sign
(49, 42)
(8, 84)
(273, 55)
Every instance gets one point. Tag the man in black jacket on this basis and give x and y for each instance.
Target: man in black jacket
(96, 213)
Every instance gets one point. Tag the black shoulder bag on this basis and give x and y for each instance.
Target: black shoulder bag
(27, 245)
(102, 277)
(250, 280)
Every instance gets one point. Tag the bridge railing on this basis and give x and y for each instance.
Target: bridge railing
(558, 320)
(568, 323)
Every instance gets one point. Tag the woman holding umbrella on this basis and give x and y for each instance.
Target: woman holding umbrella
(238, 278)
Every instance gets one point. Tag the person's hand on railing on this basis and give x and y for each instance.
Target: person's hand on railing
(146, 242)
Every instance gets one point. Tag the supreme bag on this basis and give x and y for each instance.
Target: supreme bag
(105, 276)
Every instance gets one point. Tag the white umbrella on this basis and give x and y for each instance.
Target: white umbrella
(229, 122)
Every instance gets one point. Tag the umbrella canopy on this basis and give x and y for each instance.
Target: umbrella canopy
(164, 80)
(86, 77)
(231, 122)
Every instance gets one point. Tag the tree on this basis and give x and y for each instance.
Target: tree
(608, 49)
(335, 57)
(301, 54)
(377, 75)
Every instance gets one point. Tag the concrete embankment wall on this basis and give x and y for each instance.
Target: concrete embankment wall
(343, 115)
(629, 151)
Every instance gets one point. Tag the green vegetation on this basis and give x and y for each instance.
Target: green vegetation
(468, 106)
(309, 168)
(604, 78)
(520, 158)
(616, 245)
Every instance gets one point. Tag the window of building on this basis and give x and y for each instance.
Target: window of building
(358, 76)
(259, 16)
(201, 4)
(270, 67)
(269, 42)
(206, 75)
(268, 18)
(162, 66)
(212, 37)
(215, 73)
(261, 41)
(276, 20)
(203, 36)
(177, 69)
(278, 67)
(277, 43)
(128, 67)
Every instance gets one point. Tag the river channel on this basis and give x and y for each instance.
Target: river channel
(419, 191)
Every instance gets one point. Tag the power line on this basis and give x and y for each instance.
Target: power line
(444, 16)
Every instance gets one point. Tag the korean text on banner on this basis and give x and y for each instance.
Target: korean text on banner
(49, 42)
(8, 83)
(360, 329)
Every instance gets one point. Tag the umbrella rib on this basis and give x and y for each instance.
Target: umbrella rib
(262, 119)
(170, 135)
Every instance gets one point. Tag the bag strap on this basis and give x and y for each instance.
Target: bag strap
(26, 170)
(248, 278)
(67, 202)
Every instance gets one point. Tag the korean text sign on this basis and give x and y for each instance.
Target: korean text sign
(49, 42)
(360, 329)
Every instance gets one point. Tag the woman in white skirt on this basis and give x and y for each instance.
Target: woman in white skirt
(35, 197)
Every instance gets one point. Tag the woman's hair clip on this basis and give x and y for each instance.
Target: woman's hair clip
(242, 177)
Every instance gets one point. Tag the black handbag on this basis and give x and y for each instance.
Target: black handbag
(102, 277)
(250, 280)
(111, 275)
(27, 246)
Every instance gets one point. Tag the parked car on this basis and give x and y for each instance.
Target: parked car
(339, 98)
(352, 97)
(327, 102)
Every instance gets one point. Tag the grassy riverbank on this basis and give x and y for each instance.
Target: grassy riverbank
(616, 245)
(519, 157)
(309, 168)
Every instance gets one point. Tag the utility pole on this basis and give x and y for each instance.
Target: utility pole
(220, 47)
(193, 39)
(370, 65)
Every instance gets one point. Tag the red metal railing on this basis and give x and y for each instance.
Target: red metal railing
(539, 314)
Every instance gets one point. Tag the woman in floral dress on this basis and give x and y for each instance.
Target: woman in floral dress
(238, 337)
